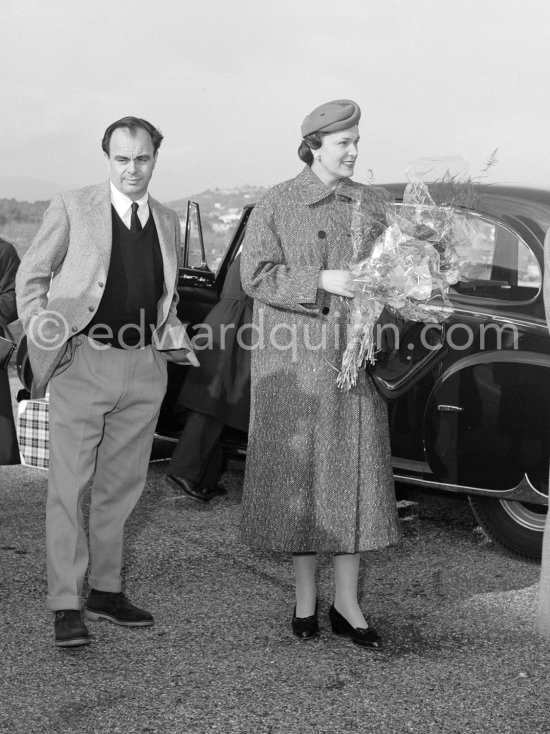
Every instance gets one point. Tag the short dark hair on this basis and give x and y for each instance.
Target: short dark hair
(133, 124)
(313, 141)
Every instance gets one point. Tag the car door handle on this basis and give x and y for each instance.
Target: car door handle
(450, 409)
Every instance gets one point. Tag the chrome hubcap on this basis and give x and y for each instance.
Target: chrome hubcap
(531, 517)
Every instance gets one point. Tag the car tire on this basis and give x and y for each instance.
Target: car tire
(517, 527)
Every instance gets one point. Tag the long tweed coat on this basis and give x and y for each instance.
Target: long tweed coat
(318, 471)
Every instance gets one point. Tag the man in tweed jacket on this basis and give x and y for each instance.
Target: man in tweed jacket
(97, 295)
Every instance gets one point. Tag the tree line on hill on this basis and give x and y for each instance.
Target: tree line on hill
(12, 210)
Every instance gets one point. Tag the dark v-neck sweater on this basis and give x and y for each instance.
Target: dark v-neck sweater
(127, 313)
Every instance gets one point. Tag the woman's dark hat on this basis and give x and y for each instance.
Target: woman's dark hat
(332, 117)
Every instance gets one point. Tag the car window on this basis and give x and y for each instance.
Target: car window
(504, 267)
(194, 252)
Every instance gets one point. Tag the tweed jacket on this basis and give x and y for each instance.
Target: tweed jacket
(62, 277)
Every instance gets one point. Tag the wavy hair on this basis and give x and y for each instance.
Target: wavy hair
(310, 142)
(132, 124)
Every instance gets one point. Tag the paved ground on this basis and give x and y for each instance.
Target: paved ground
(455, 613)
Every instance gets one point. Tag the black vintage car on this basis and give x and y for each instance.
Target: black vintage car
(469, 404)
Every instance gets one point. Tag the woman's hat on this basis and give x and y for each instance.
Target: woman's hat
(332, 117)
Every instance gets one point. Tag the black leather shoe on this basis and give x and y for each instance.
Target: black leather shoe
(217, 490)
(70, 630)
(115, 607)
(191, 489)
(363, 636)
(306, 628)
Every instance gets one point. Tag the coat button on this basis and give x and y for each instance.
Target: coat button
(91, 308)
(321, 234)
(325, 310)
(100, 284)
(73, 328)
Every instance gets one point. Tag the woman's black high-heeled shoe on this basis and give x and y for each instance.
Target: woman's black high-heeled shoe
(363, 636)
(306, 628)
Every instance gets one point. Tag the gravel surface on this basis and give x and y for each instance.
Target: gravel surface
(455, 613)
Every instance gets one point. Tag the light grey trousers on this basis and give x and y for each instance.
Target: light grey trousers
(103, 411)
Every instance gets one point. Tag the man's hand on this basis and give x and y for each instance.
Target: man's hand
(181, 356)
(339, 282)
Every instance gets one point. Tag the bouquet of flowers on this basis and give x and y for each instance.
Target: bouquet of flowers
(422, 251)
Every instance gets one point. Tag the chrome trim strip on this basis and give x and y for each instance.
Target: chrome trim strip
(534, 323)
(159, 436)
(412, 465)
(523, 492)
(538, 325)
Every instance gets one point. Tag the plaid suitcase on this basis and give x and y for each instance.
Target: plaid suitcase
(33, 434)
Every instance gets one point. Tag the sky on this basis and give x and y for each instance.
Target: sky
(229, 82)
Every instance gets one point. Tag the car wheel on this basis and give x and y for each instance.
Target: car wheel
(515, 526)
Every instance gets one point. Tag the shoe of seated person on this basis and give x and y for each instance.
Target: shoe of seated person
(69, 629)
(194, 490)
(116, 608)
(217, 490)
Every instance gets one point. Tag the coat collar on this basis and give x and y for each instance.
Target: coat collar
(314, 190)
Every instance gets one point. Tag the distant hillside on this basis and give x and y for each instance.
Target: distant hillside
(227, 198)
(220, 211)
(21, 211)
(20, 220)
(28, 189)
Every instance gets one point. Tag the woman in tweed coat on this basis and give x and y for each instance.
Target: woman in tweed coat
(318, 472)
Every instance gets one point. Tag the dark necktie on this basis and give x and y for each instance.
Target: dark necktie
(135, 224)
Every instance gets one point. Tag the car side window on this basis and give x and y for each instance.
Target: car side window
(194, 252)
(504, 268)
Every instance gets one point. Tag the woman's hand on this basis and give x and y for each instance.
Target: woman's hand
(339, 282)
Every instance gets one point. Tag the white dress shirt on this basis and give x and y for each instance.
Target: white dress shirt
(123, 206)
